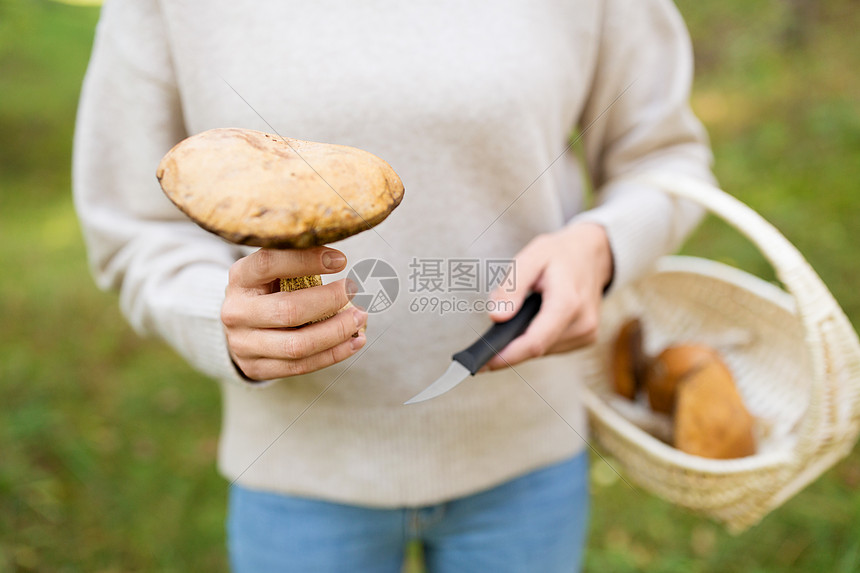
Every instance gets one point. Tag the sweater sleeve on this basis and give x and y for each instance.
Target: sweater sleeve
(638, 119)
(170, 274)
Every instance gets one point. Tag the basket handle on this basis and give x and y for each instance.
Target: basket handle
(829, 336)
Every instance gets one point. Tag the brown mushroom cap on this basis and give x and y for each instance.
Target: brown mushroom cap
(255, 188)
(710, 419)
(671, 367)
(628, 359)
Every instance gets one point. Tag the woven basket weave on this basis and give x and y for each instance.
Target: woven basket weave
(795, 358)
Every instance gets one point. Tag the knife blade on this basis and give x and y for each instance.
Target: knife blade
(467, 362)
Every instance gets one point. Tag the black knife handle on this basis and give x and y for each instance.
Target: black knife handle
(499, 335)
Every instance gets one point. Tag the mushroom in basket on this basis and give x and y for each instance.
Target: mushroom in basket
(692, 384)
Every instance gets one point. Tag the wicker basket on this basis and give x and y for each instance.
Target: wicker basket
(795, 357)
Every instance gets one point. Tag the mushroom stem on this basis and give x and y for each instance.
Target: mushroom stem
(296, 283)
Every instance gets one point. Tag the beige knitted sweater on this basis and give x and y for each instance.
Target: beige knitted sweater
(473, 104)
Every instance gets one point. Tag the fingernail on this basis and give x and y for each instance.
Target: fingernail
(333, 260)
(358, 341)
(351, 288)
(359, 317)
(499, 315)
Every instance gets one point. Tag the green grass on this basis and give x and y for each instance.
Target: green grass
(107, 442)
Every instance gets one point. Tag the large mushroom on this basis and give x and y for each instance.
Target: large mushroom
(255, 188)
(711, 419)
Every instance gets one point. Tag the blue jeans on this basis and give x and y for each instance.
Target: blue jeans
(533, 523)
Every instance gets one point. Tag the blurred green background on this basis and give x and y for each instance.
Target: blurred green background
(107, 463)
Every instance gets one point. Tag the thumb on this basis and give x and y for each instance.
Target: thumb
(507, 298)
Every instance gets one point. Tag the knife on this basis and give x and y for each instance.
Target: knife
(467, 362)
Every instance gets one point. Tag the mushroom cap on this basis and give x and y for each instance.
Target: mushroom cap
(628, 359)
(671, 368)
(711, 420)
(255, 188)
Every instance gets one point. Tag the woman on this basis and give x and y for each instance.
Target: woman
(473, 104)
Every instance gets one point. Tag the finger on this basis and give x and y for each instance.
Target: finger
(287, 309)
(271, 368)
(528, 266)
(572, 343)
(554, 317)
(266, 265)
(300, 343)
(583, 332)
(587, 323)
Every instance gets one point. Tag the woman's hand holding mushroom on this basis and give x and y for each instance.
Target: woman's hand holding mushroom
(273, 334)
(570, 268)
(265, 190)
